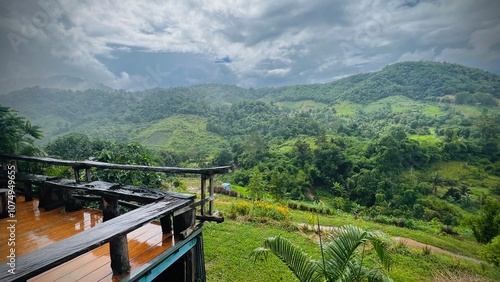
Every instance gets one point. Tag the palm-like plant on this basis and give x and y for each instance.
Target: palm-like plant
(341, 261)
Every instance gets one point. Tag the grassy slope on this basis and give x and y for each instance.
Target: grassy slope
(404, 104)
(228, 245)
(182, 133)
(346, 108)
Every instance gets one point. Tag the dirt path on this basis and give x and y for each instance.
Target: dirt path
(412, 243)
(409, 242)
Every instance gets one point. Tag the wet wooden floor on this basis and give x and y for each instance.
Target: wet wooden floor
(36, 229)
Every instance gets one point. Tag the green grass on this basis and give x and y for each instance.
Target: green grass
(228, 246)
(287, 146)
(470, 111)
(240, 189)
(425, 139)
(431, 110)
(182, 133)
(346, 108)
(403, 104)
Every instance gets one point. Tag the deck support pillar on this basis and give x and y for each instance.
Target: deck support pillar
(4, 202)
(50, 197)
(76, 172)
(28, 192)
(118, 247)
(166, 224)
(211, 193)
(184, 223)
(203, 192)
(184, 269)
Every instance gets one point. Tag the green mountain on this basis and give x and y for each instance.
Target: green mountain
(229, 111)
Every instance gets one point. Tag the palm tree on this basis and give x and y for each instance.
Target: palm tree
(341, 259)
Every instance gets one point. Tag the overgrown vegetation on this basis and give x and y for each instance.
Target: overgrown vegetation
(415, 145)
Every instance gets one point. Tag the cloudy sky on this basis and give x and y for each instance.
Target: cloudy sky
(251, 43)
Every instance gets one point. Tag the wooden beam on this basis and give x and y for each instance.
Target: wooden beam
(211, 193)
(203, 195)
(88, 175)
(183, 222)
(118, 247)
(89, 164)
(76, 172)
(217, 219)
(195, 204)
(28, 192)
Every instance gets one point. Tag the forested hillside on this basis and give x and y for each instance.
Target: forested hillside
(417, 142)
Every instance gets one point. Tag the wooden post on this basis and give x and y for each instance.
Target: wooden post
(5, 180)
(3, 202)
(211, 187)
(184, 223)
(185, 268)
(118, 247)
(200, 259)
(166, 224)
(203, 184)
(77, 174)
(41, 196)
(88, 175)
(46, 196)
(28, 192)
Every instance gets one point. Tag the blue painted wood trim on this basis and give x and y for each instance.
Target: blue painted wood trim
(159, 264)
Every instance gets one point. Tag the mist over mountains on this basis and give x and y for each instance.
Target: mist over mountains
(65, 104)
(59, 82)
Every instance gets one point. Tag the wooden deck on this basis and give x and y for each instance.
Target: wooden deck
(36, 229)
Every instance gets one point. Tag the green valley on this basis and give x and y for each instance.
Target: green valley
(412, 150)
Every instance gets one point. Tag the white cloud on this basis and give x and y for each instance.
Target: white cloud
(269, 42)
(277, 72)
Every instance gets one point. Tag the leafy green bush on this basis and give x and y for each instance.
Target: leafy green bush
(491, 251)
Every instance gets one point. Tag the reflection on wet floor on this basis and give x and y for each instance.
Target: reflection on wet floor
(36, 229)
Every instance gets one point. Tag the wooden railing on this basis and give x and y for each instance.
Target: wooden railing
(207, 192)
(174, 210)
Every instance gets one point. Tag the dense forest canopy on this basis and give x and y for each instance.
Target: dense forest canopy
(378, 142)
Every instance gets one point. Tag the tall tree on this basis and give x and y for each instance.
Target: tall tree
(17, 134)
(256, 186)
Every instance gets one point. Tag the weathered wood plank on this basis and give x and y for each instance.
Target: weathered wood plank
(100, 188)
(36, 179)
(217, 219)
(46, 258)
(124, 192)
(89, 164)
(195, 204)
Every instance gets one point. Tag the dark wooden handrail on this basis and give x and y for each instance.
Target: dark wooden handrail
(103, 165)
(41, 260)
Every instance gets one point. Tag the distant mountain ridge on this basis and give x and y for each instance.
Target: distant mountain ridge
(102, 111)
(59, 82)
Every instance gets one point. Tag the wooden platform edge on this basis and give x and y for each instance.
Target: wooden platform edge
(151, 270)
(39, 261)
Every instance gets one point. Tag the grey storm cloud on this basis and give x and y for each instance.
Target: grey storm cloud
(140, 44)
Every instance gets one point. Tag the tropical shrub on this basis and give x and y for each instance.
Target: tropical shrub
(341, 260)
